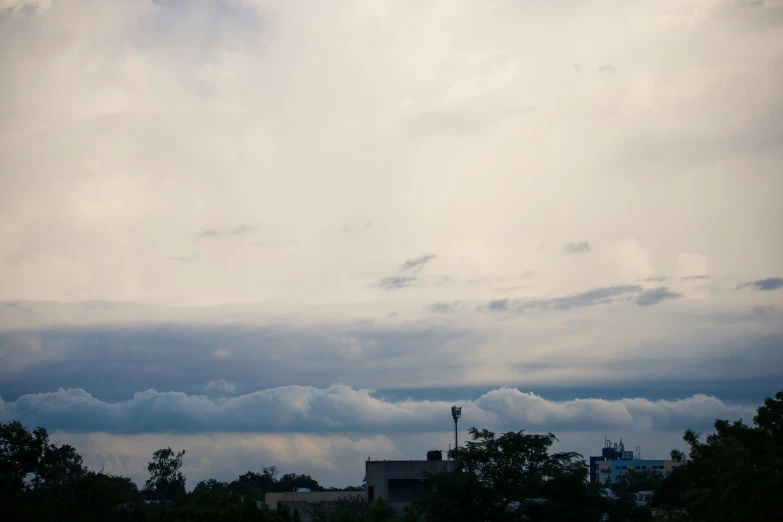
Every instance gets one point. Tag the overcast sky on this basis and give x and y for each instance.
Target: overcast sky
(296, 232)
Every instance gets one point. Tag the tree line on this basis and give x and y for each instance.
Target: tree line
(735, 473)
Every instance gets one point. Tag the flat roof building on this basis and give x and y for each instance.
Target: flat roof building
(610, 471)
(400, 482)
(306, 500)
(615, 462)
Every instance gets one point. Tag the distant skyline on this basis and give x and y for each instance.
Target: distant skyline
(294, 233)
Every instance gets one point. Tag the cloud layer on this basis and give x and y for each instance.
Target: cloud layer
(766, 285)
(333, 460)
(589, 298)
(312, 157)
(342, 409)
(655, 296)
(130, 129)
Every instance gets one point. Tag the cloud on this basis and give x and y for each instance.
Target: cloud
(655, 296)
(22, 5)
(654, 279)
(333, 460)
(342, 409)
(220, 386)
(510, 288)
(764, 285)
(218, 123)
(695, 277)
(417, 263)
(589, 298)
(443, 308)
(239, 230)
(183, 352)
(115, 360)
(576, 248)
(242, 229)
(498, 304)
(395, 282)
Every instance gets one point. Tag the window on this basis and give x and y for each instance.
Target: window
(370, 493)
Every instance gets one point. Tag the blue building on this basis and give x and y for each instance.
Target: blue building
(611, 452)
(615, 462)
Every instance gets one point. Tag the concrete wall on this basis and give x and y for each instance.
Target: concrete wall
(312, 497)
(378, 473)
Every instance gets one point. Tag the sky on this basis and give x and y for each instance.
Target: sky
(295, 233)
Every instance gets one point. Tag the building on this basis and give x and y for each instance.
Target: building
(311, 497)
(615, 462)
(305, 500)
(400, 482)
(610, 471)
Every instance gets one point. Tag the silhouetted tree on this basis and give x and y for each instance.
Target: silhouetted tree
(735, 474)
(166, 480)
(289, 481)
(254, 484)
(510, 477)
(21, 456)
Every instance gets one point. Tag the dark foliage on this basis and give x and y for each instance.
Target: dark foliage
(735, 474)
(511, 477)
(166, 480)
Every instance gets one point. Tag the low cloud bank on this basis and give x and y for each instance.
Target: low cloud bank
(342, 409)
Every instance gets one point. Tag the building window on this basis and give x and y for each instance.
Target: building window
(371, 493)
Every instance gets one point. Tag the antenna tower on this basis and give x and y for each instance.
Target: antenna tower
(456, 413)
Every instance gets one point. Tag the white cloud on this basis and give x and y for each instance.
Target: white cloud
(333, 460)
(220, 386)
(128, 131)
(341, 409)
(630, 260)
